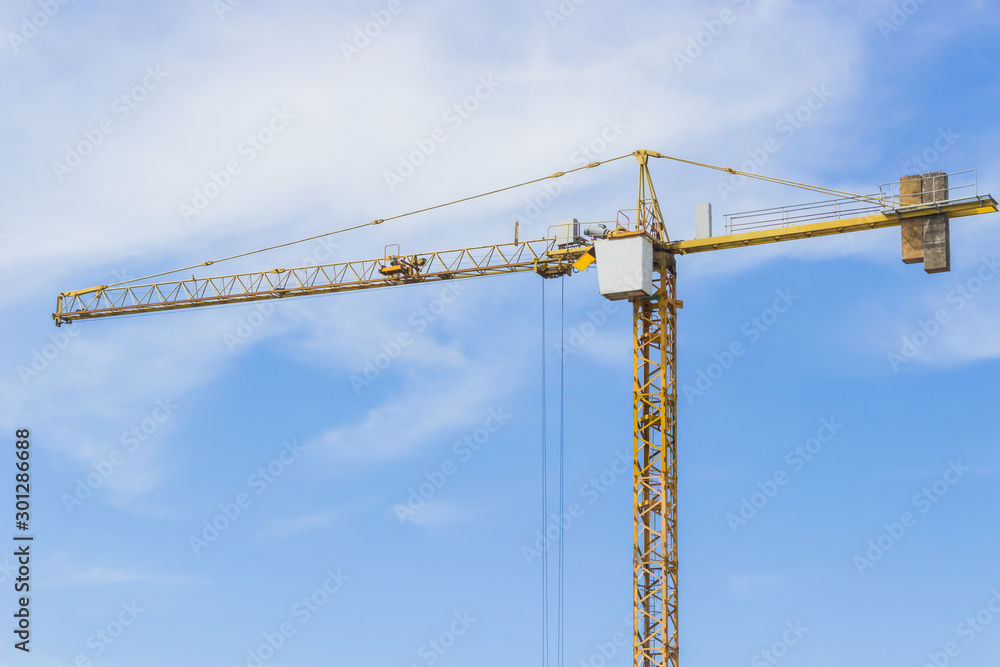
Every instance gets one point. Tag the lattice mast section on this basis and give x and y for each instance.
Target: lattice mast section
(655, 473)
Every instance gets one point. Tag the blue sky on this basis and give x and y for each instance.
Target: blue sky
(252, 418)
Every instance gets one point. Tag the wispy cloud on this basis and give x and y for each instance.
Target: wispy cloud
(419, 414)
(105, 576)
(753, 585)
(440, 513)
(283, 528)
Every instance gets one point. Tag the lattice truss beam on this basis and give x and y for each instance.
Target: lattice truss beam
(655, 473)
(540, 255)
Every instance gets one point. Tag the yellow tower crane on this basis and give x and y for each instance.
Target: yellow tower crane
(636, 261)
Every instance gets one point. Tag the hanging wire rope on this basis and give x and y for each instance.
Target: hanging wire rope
(560, 651)
(545, 506)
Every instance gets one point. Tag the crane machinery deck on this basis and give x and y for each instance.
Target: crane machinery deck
(635, 261)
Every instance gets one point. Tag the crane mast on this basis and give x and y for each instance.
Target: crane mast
(923, 213)
(654, 487)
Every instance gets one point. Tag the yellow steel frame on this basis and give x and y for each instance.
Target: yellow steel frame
(542, 256)
(956, 209)
(649, 217)
(655, 555)
(654, 390)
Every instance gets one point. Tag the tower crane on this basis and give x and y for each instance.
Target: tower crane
(636, 261)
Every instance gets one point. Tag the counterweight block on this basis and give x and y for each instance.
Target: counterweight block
(926, 239)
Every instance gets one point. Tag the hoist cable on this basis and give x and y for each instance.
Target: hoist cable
(545, 508)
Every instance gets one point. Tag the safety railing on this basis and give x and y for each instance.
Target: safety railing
(959, 185)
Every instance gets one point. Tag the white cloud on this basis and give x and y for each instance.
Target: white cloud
(754, 585)
(329, 162)
(283, 528)
(422, 412)
(327, 169)
(438, 513)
